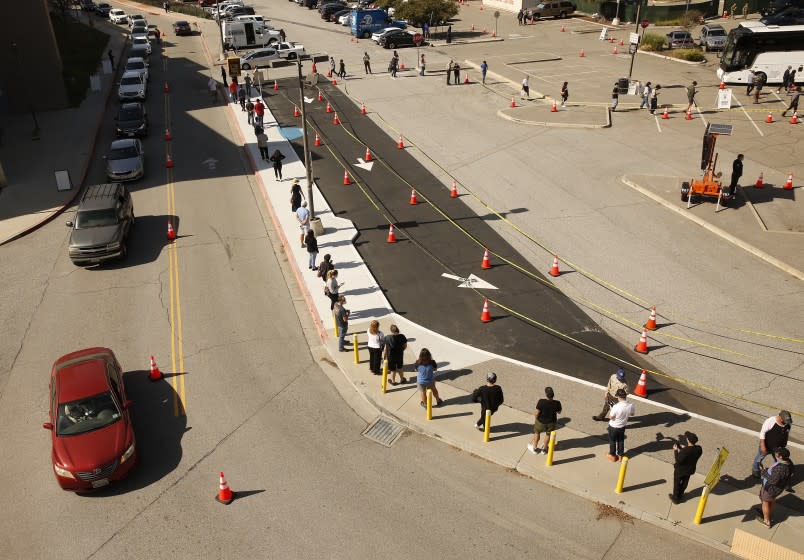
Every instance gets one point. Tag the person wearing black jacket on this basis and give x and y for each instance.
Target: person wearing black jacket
(736, 172)
(687, 455)
(490, 397)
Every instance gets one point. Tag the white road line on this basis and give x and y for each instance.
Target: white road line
(700, 114)
(748, 116)
(658, 126)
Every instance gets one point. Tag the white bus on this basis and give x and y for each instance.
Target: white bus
(762, 49)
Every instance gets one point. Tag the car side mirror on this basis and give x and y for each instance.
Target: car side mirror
(69, 224)
(47, 426)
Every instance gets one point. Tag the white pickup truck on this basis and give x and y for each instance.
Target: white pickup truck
(288, 50)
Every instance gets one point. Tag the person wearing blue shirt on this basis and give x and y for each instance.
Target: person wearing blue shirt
(425, 377)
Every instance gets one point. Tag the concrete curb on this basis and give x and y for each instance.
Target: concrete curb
(784, 267)
(501, 113)
(673, 59)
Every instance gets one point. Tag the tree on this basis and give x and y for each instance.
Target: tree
(434, 12)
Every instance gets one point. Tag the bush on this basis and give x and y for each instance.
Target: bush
(651, 42)
(693, 55)
(433, 12)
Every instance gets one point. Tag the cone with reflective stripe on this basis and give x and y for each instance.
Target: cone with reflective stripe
(296, 112)
(642, 345)
(363, 110)
(317, 140)
(769, 118)
(486, 264)
(473, 27)
(614, 50)
(666, 114)
(651, 324)
(276, 86)
(641, 390)
(554, 108)
(554, 269)
(334, 82)
(622, 43)
(513, 103)
(155, 374)
(391, 235)
(485, 316)
(168, 137)
(346, 179)
(367, 157)
(453, 193)
(335, 119)
(794, 118)
(329, 107)
(688, 114)
(167, 88)
(169, 162)
(788, 185)
(562, 29)
(315, 70)
(760, 181)
(225, 494)
(171, 233)
(582, 54)
(466, 78)
(722, 85)
(413, 200)
(401, 143)
(320, 95)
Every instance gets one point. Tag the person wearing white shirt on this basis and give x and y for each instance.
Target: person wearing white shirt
(618, 419)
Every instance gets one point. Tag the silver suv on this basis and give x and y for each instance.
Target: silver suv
(713, 37)
(102, 224)
(556, 9)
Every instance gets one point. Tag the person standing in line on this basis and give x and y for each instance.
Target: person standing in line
(295, 196)
(312, 248)
(449, 71)
(616, 382)
(394, 352)
(745, 10)
(774, 480)
(456, 73)
(490, 397)
(750, 83)
(342, 70)
(785, 85)
(212, 86)
(421, 65)
(759, 82)
(773, 433)
(223, 77)
(733, 10)
(111, 58)
(282, 36)
(646, 91)
(525, 93)
(618, 419)
(686, 455)
(262, 144)
(519, 15)
(331, 66)
(376, 341)
(793, 102)
(166, 6)
(564, 93)
(324, 268)
(276, 158)
(615, 97)
(691, 92)
(259, 112)
(484, 68)
(546, 418)
(425, 377)
(250, 111)
(241, 96)
(736, 172)
(654, 98)
(342, 321)
(233, 90)
(426, 30)
(449, 34)
(366, 62)
(303, 217)
(332, 287)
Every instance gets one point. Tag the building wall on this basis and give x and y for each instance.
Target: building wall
(35, 66)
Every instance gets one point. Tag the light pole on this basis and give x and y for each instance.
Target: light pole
(220, 31)
(616, 20)
(35, 133)
(315, 223)
(638, 25)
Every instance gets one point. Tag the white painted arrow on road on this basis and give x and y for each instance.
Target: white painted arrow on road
(471, 282)
(367, 165)
(211, 163)
(309, 99)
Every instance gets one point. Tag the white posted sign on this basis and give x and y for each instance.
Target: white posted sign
(724, 98)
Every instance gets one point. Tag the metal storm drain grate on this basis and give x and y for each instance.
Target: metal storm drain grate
(384, 431)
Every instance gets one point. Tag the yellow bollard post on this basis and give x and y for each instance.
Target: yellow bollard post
(487, 428)
(384, 384)
(550, 447)
(429, 404)
(621, 477)
(335, 322)
(357, 349)
(701, 506)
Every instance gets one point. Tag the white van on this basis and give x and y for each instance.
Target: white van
(259, 19)
(245, 34)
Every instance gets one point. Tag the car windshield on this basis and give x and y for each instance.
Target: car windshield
(129, 114)
(140, 41)
(95, 218)
(130, 81)
(182, 24)
(86, 415)
(123, 153)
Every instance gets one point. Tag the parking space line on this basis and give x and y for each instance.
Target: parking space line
(658, 126)
(748, 116)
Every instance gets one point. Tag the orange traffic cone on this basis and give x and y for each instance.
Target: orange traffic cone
(169, 162)
(554, 108)
(641, 390)
(554, 269)
(329, 107)
(168, 137)
(334, 82)
(315, 70)
(794, 118)
(329, 73)
(485, 316)
(481, 7)
(166, 88)
(296, 112)
(367, 157)
(642, 345)
(473, 27)
(363, 109)
(171, 233)
(401, 65)
(320, 95)
(651, 324)
(335, 119)
(276, 86)
(413, 200)
(485, 31)
(513, 103)
(622, 43)
(788, 185)
(614, 50)
(769, 118)
(155, 374)
(453, 193)
(666, 114)
(582, 54)
(494, 33)
(391, 235)
(346, 179)
(317, 140)
(688, 114)
(722, 85)
(466, 79)
(562, 29)
(760, 181)
(486, 263)
(225, 494)
(401, 143)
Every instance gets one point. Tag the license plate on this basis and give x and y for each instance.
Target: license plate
(100, 483)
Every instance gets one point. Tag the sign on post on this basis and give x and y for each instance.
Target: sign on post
(234, 66)
(603, 34)
(63, 180)
(713, 477)
(633, 38)
(645, 23)
(724, 98)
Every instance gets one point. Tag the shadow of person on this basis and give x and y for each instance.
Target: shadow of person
(666, 419)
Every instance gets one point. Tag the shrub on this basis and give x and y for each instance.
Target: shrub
(693, 55)
(651, 42)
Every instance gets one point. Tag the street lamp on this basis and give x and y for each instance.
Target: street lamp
(315, 223)
(35, 133)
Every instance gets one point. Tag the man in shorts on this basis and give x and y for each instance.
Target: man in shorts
(303, 216)
(547, 411)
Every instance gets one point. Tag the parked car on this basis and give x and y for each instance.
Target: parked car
(143, 42)
(125, 160)
(103, 221)
(334, 17)
(118, 16)
(137, 19)
(88, 5)
(396, 39)
(555, 9)
(133, 85)
(182, 27)
(713, 37)
(788, 16)
(680, 40)
(327, 10)
(139, 31)
(325, 3)
(139, 50)
(257, 58)
(92, 438)
(103, 9)
(137, 64)
(131, 120)
(346, 19)
(289, 50)
(378, 34)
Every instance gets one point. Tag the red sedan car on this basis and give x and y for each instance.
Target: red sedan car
(93, 441)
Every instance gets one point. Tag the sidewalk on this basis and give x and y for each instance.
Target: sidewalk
(579, 466)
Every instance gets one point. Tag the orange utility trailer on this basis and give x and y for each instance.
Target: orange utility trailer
(710, 184)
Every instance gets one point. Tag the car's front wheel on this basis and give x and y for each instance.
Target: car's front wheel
(246, 66)
(292, 56)
(391, 46)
